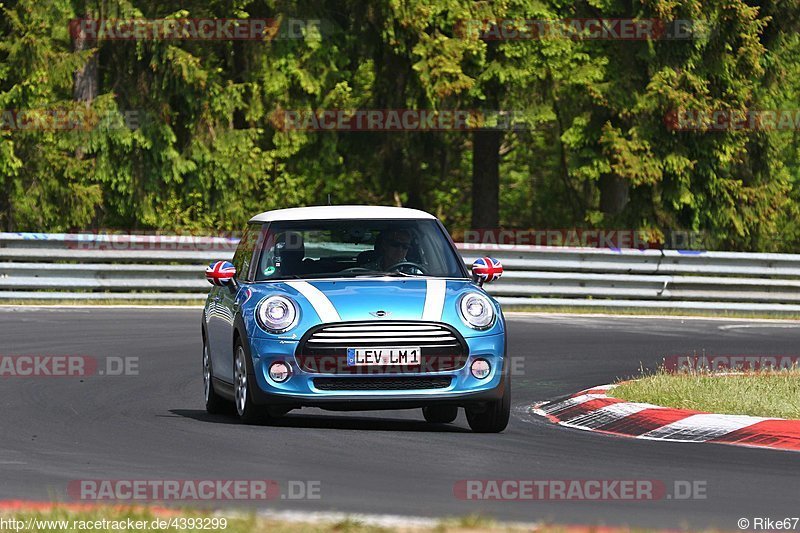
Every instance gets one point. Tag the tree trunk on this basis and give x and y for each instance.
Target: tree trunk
(486, 178)
(85, 80)
(613, 194)
(486, 159)
(5, 204)
(84, 87)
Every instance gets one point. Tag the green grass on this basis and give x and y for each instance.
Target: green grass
(771, 394)
(468, 522)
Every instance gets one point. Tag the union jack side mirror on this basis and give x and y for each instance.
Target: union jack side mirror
(220, 273)
(486, 270)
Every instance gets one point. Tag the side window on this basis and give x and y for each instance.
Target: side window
(244, 252)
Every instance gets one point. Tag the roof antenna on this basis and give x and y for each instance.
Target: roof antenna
(329, 198)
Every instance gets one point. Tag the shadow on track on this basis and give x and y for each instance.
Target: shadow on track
(329, 422)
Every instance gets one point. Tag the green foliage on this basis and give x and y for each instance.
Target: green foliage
(592, 148)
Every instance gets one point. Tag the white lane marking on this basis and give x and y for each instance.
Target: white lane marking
(324, 308)
(434, 299)
(745, 326)
(401, 522)
(316, 517)
(600, 387)
(571, 316)
(701, 427)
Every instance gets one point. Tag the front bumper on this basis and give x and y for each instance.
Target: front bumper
(300, 389)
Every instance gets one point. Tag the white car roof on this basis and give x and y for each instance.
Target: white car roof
(338, 212)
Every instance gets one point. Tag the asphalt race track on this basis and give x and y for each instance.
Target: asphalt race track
(153, 426)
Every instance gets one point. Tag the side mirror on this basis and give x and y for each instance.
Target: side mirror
(486, 270)
(220, 273)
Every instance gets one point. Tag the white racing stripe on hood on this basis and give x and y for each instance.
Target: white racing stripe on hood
(321, 304)
(434, 300)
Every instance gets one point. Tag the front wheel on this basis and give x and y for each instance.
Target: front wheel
(493, 418)
(248, 412)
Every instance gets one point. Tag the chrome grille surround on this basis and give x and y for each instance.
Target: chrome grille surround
(323, 349)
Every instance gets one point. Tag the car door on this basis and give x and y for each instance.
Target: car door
(220, 321)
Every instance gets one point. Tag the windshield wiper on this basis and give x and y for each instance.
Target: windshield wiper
(384, 275)
(398, 273)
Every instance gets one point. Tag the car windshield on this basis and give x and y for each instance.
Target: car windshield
(357, 248)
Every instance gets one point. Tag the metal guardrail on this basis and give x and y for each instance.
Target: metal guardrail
(87, 266)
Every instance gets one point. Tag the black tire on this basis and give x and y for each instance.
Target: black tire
(243, 384)
(215, 404)
(494, 417)
(440, 414)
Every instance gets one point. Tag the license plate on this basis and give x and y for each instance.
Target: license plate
(384, 356)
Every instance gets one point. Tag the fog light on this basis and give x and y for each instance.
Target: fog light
(279, 372)
(480, 368)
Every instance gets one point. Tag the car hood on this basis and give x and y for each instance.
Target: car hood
(389, 298)
(402, 299)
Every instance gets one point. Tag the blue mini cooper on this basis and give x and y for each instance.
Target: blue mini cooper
(354, 308)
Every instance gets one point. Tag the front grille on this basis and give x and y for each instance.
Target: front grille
(366, 334)
(323, 349)
(383, 383)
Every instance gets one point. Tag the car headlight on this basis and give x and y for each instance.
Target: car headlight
(277, 314)
(476, 310)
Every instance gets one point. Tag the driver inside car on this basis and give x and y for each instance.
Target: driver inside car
(287, 256)
(391, 248)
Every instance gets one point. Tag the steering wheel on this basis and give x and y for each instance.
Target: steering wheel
(401, 264)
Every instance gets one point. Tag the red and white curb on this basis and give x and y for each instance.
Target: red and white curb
(593, 410)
